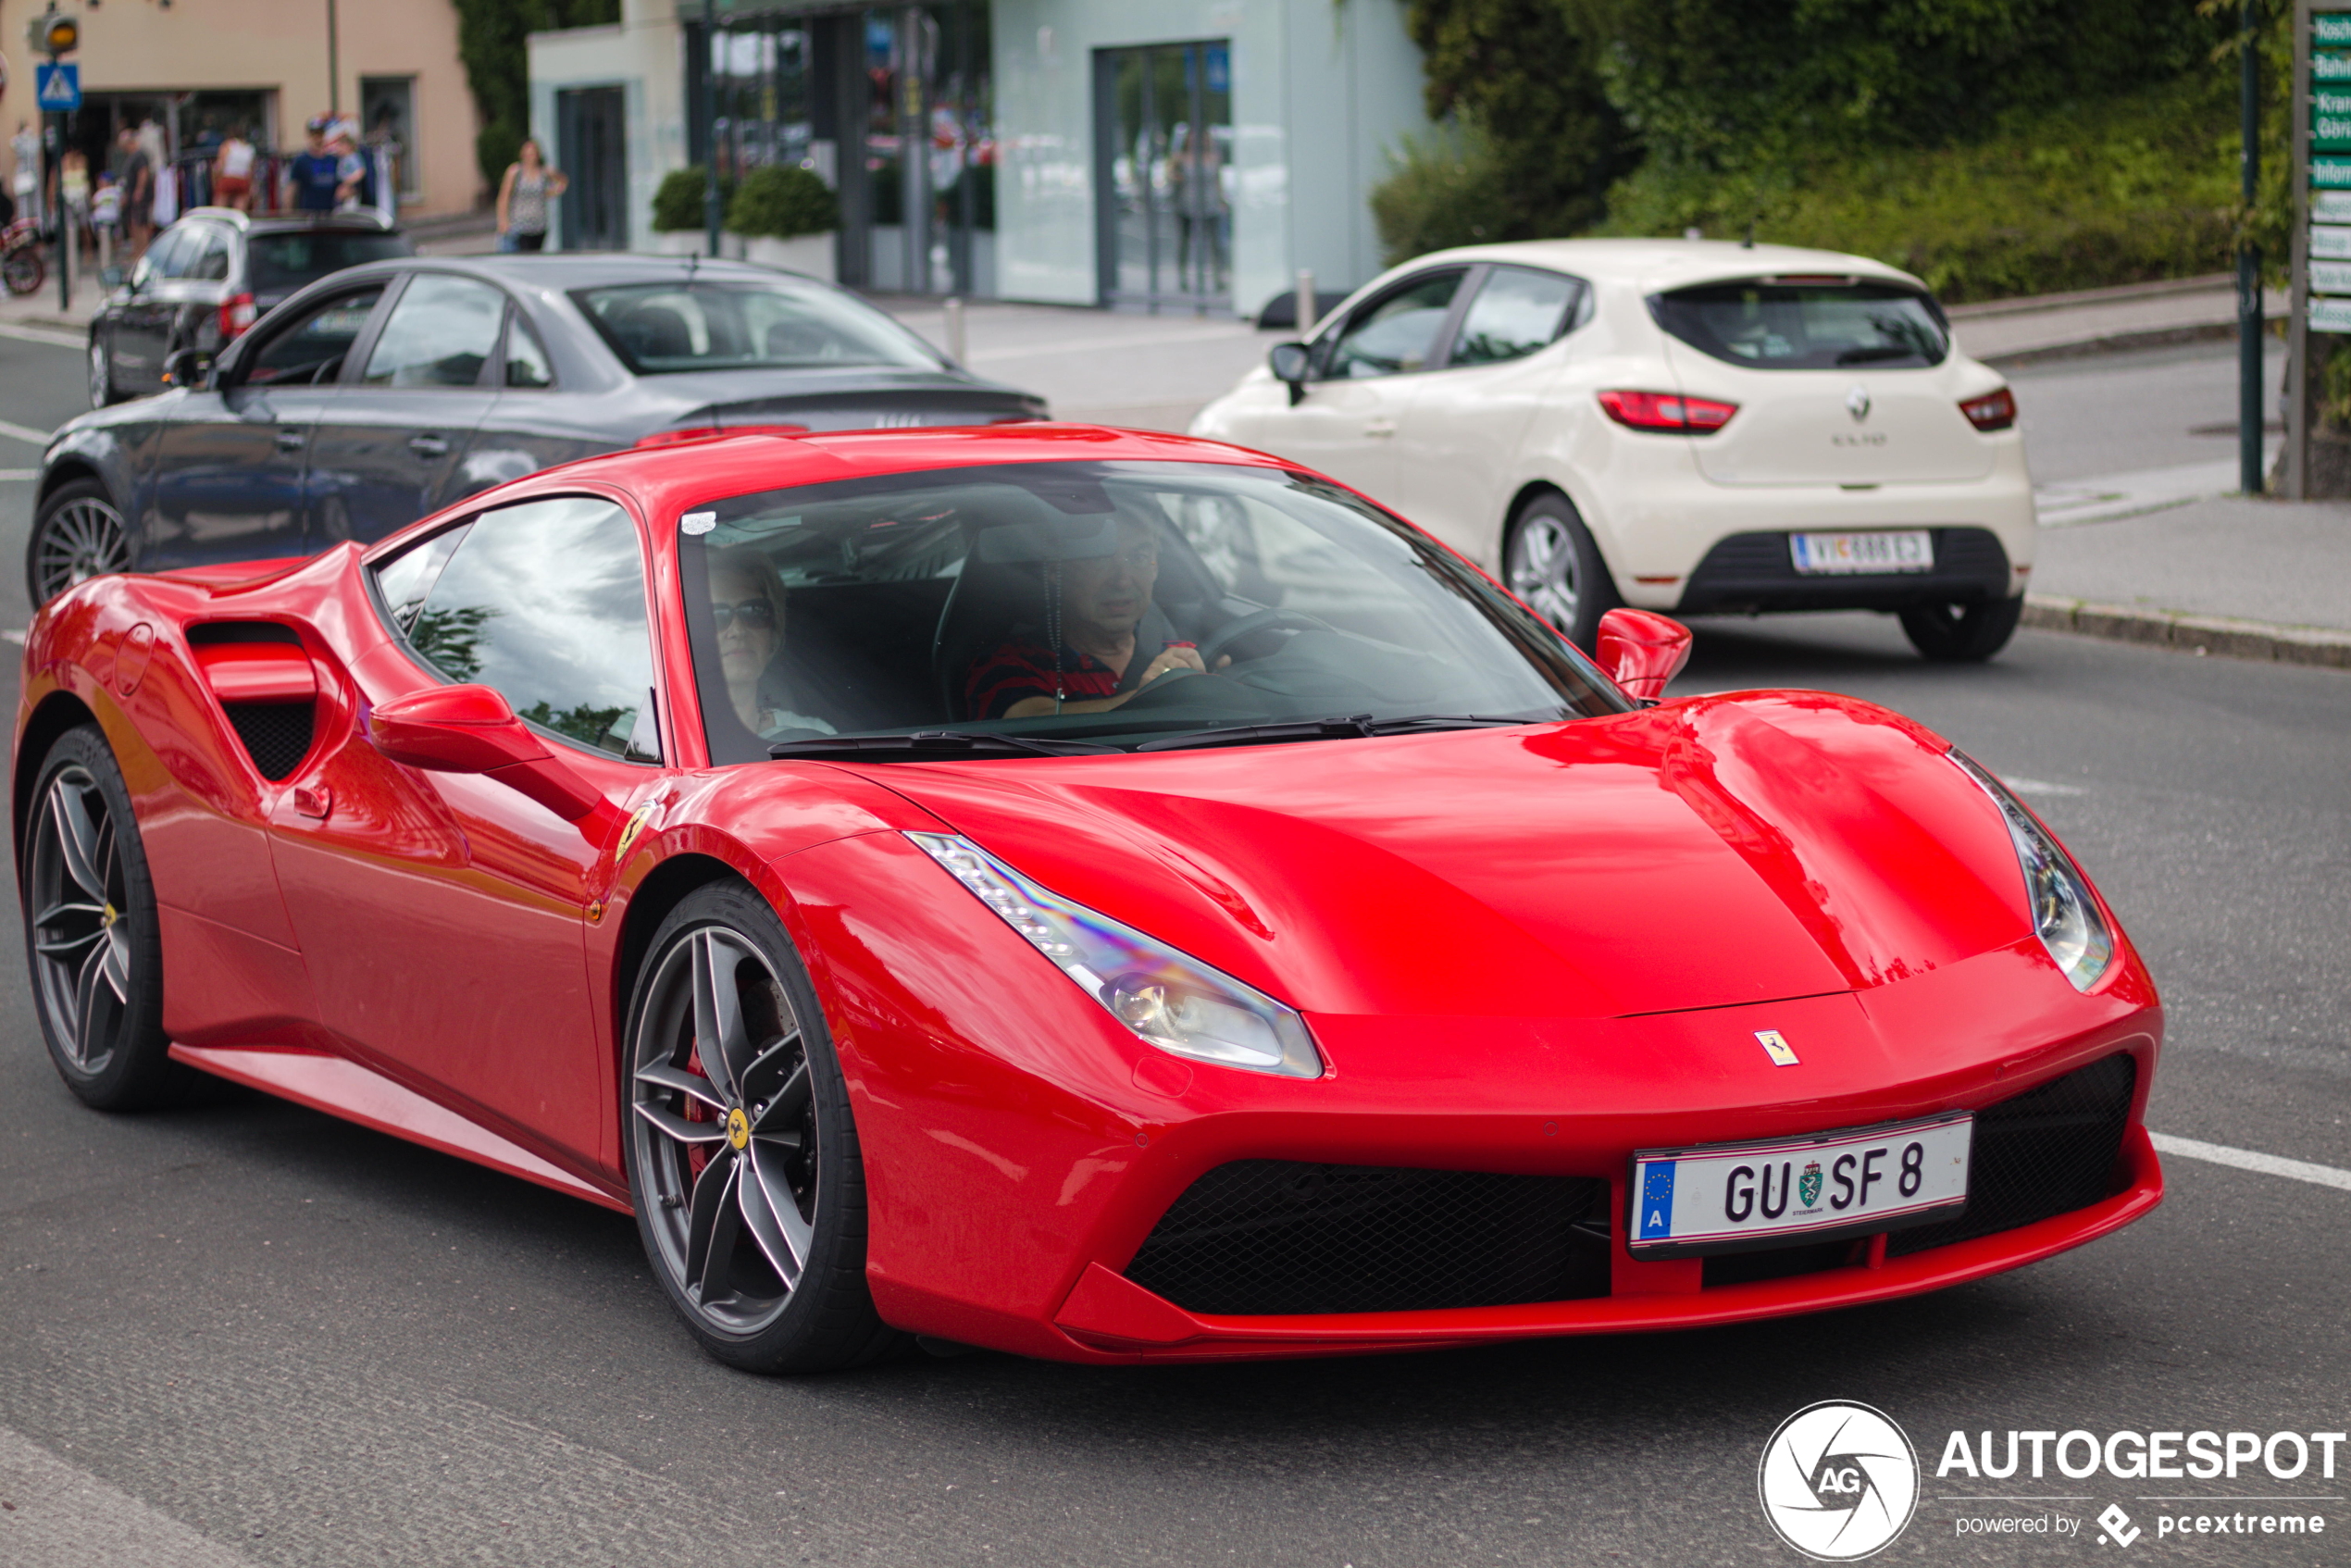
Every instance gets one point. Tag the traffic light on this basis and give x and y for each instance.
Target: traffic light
(55, 34)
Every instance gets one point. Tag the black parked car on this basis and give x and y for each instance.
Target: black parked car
(390, 390)
(208, 279)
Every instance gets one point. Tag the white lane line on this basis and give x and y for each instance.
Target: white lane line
(2041, 786)
(2247, 1160)
(18, 476)
(24, 432)
(62, 1516)
(39, 335)
(15, 636)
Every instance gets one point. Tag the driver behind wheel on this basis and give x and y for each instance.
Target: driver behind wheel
(747, 607)
(1101, 642)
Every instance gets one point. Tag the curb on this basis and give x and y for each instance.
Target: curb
(2199, 634)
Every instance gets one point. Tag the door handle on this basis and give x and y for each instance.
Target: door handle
(1380, 428)
(291, 441)
(428, 446)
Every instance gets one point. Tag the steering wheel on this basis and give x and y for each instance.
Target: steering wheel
(1233, 632)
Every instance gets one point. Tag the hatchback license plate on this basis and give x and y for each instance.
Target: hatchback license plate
(1909, 551)
(1732, 1197)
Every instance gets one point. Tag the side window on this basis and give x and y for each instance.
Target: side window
(526, 355)
(1517, 311)
(545, 602)
(442, 331)
(311, 347)
(167, 257)
(1394, 334)
(211, 263)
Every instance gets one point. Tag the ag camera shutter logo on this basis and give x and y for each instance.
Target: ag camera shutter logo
(1838, 1481)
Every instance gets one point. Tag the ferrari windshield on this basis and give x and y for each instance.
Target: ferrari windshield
(1085, 606)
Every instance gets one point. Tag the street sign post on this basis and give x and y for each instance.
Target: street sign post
(2319, 321)
(56, 86)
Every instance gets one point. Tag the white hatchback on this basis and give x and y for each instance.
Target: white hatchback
(1685, 425)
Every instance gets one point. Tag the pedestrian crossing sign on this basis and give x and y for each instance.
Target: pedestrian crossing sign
(58, 87)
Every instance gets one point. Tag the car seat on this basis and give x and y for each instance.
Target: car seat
(655, 331)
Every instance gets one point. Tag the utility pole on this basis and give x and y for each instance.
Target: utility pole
(334, 66)
(711, 215)
(2249, 377)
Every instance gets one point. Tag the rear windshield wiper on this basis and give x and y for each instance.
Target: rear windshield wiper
(929, 745)
(1351, 726)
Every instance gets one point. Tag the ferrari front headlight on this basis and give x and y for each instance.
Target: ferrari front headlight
(1170, 1001)
(2064, 914)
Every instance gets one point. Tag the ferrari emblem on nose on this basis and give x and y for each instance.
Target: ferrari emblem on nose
(1857, 403)
(1781, 1053)
(737, 1128)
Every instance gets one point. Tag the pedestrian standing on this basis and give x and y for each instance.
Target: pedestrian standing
(136, 174)
(70, 194)
(26, 146)
(524, 195)
(232, 173)
(315, 173)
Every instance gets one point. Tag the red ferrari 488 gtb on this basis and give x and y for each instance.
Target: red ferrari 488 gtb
(1095, 895)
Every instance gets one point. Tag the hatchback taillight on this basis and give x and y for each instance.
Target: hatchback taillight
(1668, 412)
(237, 315)
(714, 433)
(1993, 411)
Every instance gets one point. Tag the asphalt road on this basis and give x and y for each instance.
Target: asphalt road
(245, 1333)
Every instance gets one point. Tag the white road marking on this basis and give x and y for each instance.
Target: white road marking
(2042, 786)
(40, 335)
(61, 1516)
(15, 636)
(24, 432)
(2247, 1160)
(18, 476)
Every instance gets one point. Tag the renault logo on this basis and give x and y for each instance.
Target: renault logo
(1857, 403)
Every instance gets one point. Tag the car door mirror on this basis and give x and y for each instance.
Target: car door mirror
(1289, 363)
(1641, 651)
(472, 729)
(142, 275)
(188, 367)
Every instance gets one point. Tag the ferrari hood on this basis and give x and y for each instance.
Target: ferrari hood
(1704, 854)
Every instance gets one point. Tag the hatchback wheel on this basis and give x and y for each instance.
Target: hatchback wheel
(1962, 633)
(101, 373)
(1552, 564)
(742, 1158)
(78, 535)
(91, 933)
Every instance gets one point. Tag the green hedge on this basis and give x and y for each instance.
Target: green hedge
(782, 203)
(677, 200)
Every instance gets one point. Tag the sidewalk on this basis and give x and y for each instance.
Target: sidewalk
(2008, 334)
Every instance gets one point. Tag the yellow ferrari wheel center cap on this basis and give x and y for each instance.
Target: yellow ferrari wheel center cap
(110, 916)
(738, 1128)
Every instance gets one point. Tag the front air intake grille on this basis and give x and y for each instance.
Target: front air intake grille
(1268, 1237)
(2046, 1152)
(277, 735)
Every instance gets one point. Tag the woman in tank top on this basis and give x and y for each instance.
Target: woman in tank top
(523, 198)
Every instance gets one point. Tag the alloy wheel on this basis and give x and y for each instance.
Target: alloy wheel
(101, 376)
(724, 1124)
(81, 937)
(81, 539)
(1542, 569)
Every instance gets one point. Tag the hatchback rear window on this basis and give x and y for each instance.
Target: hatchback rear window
(283, 263)
(1791, 325)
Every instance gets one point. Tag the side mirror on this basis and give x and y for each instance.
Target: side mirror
(1641, 651)
(471, 729)
(188, 367)
(1289, 363)
(142, 274)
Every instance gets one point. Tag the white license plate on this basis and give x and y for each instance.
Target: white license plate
(1727, 1197)
(1911, 551)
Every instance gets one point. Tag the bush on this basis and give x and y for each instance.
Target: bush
(2126, 190)
(1444, 188)
(780, 202)
(677, 200)
(495, 148)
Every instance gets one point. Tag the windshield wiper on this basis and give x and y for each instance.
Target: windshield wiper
(1348, 728)
(928, 744)
(1884, 351)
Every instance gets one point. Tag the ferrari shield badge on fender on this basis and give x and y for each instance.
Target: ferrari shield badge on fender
(1781, 1053)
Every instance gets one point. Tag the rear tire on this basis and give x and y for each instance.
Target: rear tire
(743, 1163)
(102, 389)
(91, 938)
(1962, 633)
(1550, 561)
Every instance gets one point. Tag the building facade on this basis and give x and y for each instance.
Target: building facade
(1160, 155)
(202, 68)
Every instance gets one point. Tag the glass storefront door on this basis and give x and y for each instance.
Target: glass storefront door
(1163, 152)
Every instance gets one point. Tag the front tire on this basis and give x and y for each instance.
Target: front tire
(77, 535)
(102, 389)
(1551, 562)
(744, 1162)
(92, 937)
(1962, 633)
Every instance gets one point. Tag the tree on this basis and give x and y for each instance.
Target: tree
(490, 36)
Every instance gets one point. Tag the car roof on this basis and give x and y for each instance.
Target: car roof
(596, 269)
(277, 223)
(1651, 265)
